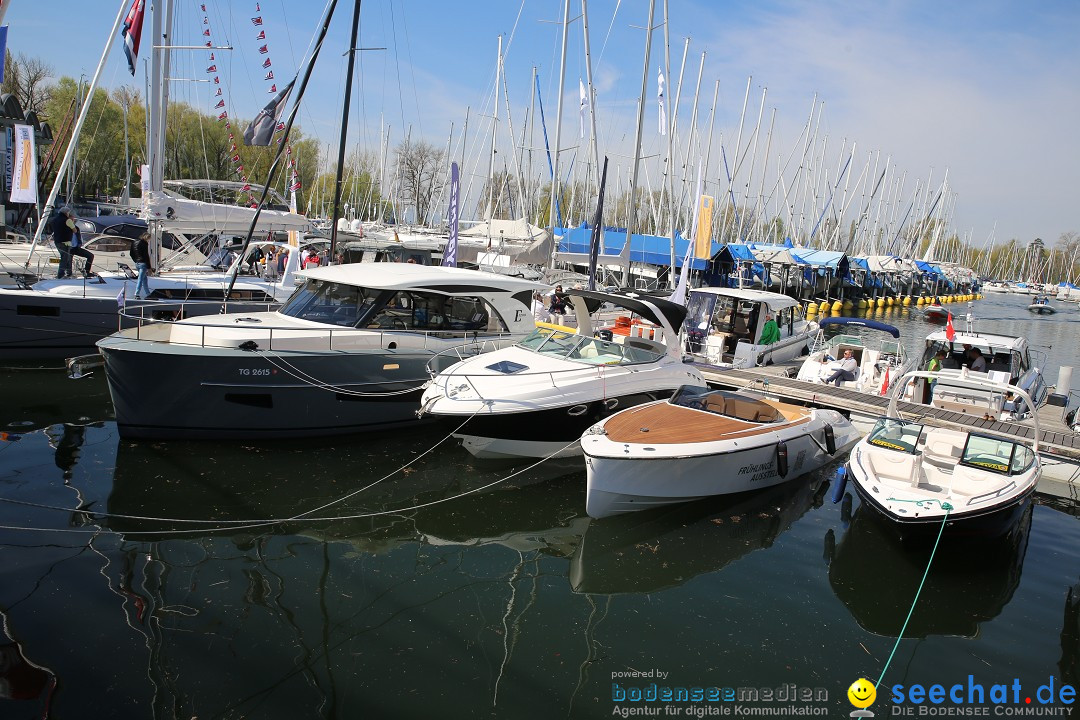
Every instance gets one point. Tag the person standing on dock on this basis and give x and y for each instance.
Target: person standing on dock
(846, 370)
(770, 331)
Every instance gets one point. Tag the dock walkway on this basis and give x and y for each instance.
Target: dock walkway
(1054, 437)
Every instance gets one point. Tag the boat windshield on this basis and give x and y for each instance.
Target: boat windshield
(894, 434)
(592, 351)
(330, 302)
(996, 455)
(728, 404)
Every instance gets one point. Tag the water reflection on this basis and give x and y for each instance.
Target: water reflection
(648, 551)
(876, 577)
(35, 399)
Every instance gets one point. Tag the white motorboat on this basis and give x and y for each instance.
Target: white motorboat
(702, 443)
(348, 352)
(1008, 360)
(879, 363)
(919, 477)
(536, 398)
(724, 327)
(53, 317)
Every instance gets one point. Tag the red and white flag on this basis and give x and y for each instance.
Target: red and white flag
(132, 32)
(206, 32)
(273, 88)
(267, 63)
(264, 49)
(223, 115)
(256, 20)
(218, 93)
(220, 103)
(269, 75)
(212, 69)
(950, 331)
(261, 35)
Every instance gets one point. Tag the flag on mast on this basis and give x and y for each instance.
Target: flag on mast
(950, 331)
(598, 230)
(132, 32)
(261, 129)
(660, 100)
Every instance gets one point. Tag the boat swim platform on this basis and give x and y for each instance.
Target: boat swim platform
(1059, 447)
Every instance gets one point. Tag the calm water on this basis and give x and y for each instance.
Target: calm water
(311, 587)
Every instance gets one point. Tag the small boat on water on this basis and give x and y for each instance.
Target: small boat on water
(537, 397)
(879, 363)
(702, 443)
(936, 312)
(1042, 306)
(918, 477)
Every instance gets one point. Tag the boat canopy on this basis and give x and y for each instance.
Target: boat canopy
(824, 260)
(929, 268)
(860, 322)
(650, 249)
(638, 303)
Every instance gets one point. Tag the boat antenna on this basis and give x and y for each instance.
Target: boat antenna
(281, 145)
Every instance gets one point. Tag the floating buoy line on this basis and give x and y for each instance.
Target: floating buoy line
(255, 523)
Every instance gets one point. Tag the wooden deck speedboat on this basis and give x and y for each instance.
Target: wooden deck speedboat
(702, 443)
(918, 477)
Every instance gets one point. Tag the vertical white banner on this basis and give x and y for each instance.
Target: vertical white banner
(24, 170)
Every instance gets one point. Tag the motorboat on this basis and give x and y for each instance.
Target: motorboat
(58, 318)
(723, 327)
(919, 477)
(700, 443)
(878, 362)
(535, 399)
(1042, 306)
(1008, 360)
(936, 312)
(347, 352)
(996, 287)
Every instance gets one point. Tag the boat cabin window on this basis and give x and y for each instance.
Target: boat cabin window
(727, 404)
(893, 434)
(409, 310)
(993, 454)
(593, 351)
(784, 318)
(329, 302)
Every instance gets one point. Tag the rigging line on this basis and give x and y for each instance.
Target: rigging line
(412, 72)
(397, 64)
(608, 35)
(948, 508)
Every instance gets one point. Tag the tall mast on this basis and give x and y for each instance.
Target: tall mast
(494, 129)
(593, 139)
(344, 131)
(631, 204)
(558, 118)
(670, 138)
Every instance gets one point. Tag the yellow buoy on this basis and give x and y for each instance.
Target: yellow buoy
(907, 301)
(862, 303)
(880, 303)
(824, 307)
(848, 305)
(838, 307)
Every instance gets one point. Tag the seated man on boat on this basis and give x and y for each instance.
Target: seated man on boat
(846, 370)
(978, 362)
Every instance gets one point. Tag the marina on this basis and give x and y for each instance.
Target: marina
(424, 428)
(398, 571)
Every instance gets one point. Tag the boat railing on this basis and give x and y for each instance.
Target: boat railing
(269, 338)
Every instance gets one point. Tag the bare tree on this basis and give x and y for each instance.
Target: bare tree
(422, 170)
(28, 80)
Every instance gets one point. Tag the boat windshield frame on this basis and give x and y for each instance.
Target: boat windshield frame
(893, 434)
(573, 347)
(977, 453)
(726, 404)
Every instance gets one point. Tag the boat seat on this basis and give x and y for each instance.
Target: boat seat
(943, 448)
(894, 466)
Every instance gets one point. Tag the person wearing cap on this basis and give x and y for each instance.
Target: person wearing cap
(63, 229)
(140, 254)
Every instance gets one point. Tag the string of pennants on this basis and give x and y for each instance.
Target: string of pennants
(220, 103)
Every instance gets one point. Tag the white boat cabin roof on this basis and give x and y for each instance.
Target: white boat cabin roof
(408, 276)
(775, 301)
(978, 339)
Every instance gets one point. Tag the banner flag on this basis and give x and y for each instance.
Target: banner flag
(261, 129)
(702, 238)
(584, 107)
(598, 230)
(660, 100)
(24, 184)
(450, 253)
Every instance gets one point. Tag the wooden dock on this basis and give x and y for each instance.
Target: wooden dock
(1058, 445)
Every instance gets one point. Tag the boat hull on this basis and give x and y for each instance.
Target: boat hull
(1042, 309)
(552, 432)
(222, 393)
(620, 481)
(39, 325)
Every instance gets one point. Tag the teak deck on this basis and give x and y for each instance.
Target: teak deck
(664, 424)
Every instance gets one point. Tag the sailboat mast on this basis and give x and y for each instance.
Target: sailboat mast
(494, 134)
(670, 141)
(631, 203)
(336, 212)
(593, 139)
(558, 119)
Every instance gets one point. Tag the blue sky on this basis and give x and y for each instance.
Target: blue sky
(988, 90)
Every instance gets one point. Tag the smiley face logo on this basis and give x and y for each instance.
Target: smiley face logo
(862, 694)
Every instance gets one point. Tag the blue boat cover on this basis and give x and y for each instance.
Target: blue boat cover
(651, 249)
(872, 324)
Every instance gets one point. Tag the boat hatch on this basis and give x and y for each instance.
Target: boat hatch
(507, 367)
(727, 404)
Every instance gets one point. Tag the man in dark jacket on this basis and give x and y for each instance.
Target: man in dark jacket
(140, 255)
(63, 227)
